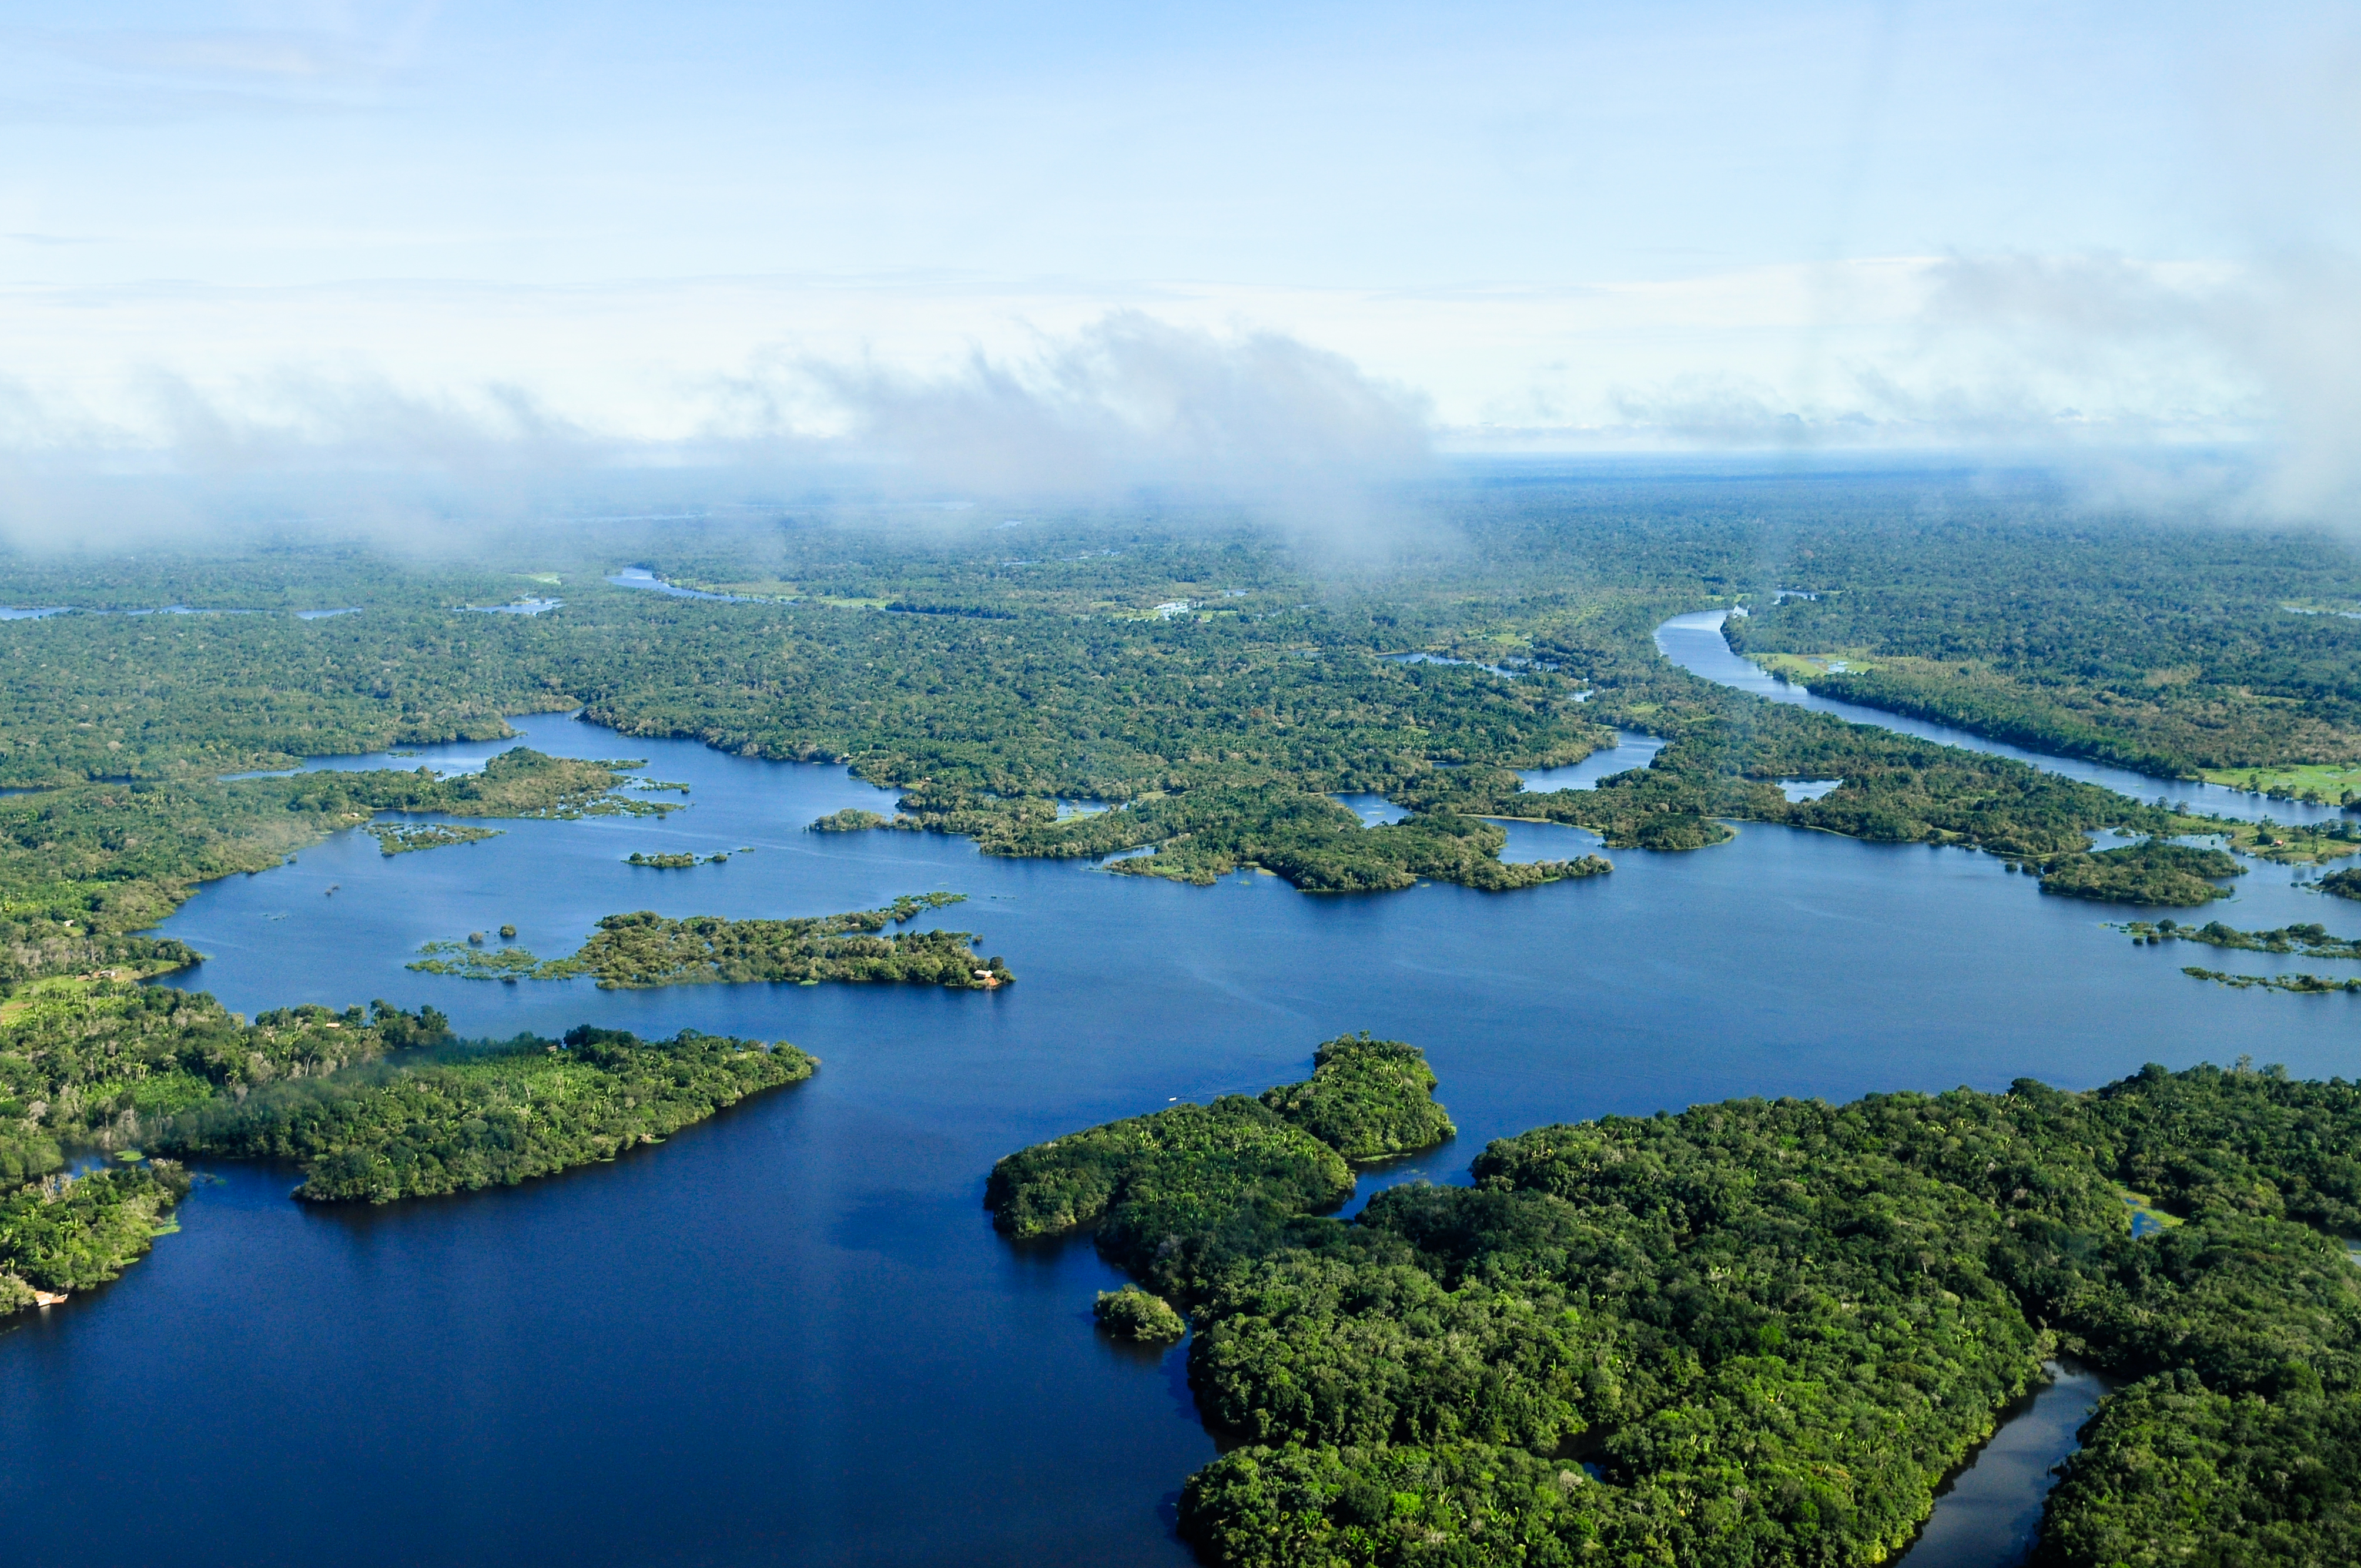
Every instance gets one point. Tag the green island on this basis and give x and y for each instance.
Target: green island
(490, 1114)
(681, 861)
(2342, 884)
(2311, 939)
(644, 950)
(2296, 984)
(398, 838)
(1753, 1332)
(2154, 872)
(851, 819)
(377, 1104)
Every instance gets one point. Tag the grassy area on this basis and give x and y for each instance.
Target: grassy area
(1802, 668)
(2324, 783)
(2288, 844)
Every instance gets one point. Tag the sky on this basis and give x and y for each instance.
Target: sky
(1013, 243)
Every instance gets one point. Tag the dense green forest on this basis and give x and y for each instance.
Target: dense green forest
(107, 1064)
(642, 951)
(1219, 729)
(464, 1118)
(2175, 649)
(1769, 1327)
(377, 1103)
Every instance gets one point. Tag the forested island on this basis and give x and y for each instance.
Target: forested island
(374, 1101)
(1754, 1332)
(377, 1103)
(642, 951)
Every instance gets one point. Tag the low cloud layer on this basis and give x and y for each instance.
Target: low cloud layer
(1259, 420)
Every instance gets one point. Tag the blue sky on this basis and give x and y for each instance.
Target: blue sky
(1560, 225)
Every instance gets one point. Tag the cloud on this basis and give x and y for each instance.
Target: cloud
(1129, 401)
(1129, 405)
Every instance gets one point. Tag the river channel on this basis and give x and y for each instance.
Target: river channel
(791, 1334)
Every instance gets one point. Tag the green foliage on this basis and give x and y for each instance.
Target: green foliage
(66, 1233)
(2171, 1471)
(82, 867)
(851, 819)
(1774, 1326)
(644, 950)
(397, 839)
(2310, 939)
(2343, 884)
(2154, 872)
(1133, 1314)
(484, 1117)
(104, 1062)
(1366, 1099)
(2299, 984)
(1176, 1195)
(2166, 648)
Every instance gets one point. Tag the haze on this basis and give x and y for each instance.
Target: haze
(1037, 246)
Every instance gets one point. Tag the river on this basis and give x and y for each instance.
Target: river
(1694, 643)
(791, 1334)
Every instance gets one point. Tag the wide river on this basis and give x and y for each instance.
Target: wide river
(791, 1334)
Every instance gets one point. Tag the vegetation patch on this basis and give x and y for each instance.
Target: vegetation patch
(1366, 1099)
(2154, 872)
(1774, 1327)
(63, 1233)
(2298, 984)
(644, 950)
(2311, 939)
(851, 819)
(465, 1118)
(682, 859)
(1133, 1314)
(398, 838)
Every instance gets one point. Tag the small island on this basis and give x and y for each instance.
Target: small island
(682, 861)
(2155, 872)
(851, 819)
(402, 838)
(644, 950)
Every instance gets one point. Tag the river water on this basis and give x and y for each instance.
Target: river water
(791, 1334)
(1696, 644)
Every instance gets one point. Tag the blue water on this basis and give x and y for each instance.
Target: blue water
(791, 1335)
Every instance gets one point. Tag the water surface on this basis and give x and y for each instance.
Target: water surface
(791, 1335)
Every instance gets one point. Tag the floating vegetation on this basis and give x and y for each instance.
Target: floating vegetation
(401, 837)
(2301, 984)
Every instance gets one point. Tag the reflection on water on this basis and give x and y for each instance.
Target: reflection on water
(1991, 1514)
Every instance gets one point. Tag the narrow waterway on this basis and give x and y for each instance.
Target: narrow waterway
(1696, 644)
(1990, 1514)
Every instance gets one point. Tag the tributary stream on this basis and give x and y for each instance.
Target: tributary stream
(791, 1335)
